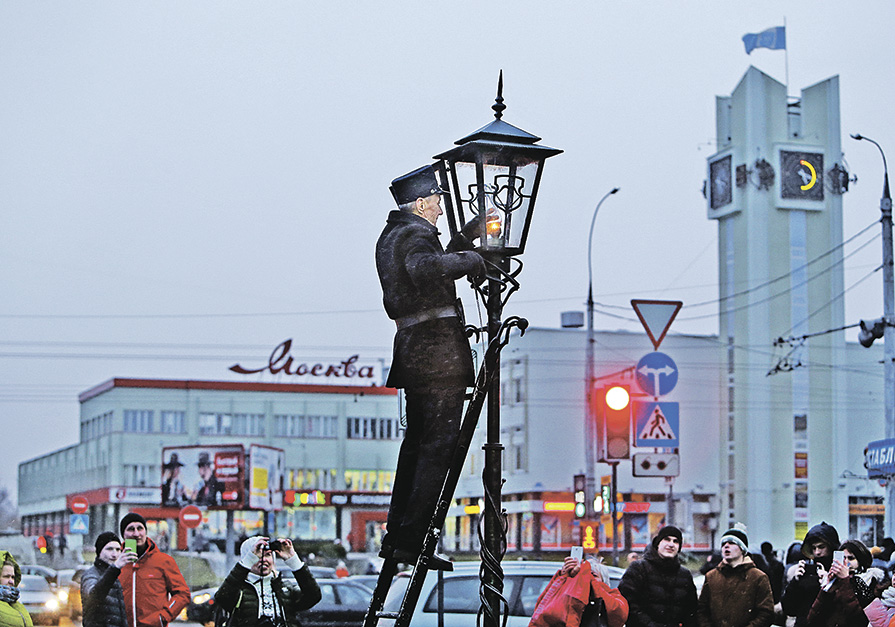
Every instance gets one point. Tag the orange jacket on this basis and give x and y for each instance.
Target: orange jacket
(154, 589)
(563, 600)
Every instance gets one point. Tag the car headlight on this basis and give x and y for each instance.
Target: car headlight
(63, 595)
(199, 599)
(52, 604)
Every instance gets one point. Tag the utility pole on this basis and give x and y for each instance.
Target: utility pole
(885, 207)
(590, 421)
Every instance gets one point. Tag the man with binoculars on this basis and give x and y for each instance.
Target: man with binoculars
(256, 595)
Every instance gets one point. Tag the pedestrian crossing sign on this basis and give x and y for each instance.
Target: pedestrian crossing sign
(657, 424)
(79, 523)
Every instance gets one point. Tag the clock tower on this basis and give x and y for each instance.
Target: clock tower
(775, 188)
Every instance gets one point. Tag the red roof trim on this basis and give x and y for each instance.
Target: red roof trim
(236, 386)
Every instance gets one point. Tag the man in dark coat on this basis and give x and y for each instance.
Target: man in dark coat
(101, 594)
(659, 590)
(737, 593)
(431, 360)
(803, 578)
(255, 593)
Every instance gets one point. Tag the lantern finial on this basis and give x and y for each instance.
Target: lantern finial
(498, 105)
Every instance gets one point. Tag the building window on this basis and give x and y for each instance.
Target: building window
(173, 422)
(373, 429)
(248, 424)
(291, 426)
(141, 475)
(215, 424)
(138, 420)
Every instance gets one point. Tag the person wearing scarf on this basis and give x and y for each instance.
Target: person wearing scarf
(846, 589)
(256, 595)
(12, 612)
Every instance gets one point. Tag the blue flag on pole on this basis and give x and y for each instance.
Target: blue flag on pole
(773, 38)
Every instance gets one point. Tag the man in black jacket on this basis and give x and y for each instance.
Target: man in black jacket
(659, 589)
(803, 578)
(431, 358)
(257, 596)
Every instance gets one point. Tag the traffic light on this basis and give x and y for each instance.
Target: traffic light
(41, 544)
(580, 484)
(607, 495)
(871, 330)
(616, 422)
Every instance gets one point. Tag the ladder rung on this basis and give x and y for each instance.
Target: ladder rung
(394, 615)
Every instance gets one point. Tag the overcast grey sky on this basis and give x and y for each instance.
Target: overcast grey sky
(186, 184)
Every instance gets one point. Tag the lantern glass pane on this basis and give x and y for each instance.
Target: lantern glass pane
(506, 201)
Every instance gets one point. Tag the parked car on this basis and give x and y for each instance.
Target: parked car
(39, 598)
(522, 585)
(365, 580)
(44, 571)
(344, 603)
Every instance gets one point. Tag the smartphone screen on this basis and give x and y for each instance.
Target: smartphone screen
(130, 544)
(577, 552)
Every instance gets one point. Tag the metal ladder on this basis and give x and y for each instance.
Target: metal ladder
(467, 430)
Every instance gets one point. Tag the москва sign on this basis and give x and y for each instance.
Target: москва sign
(350, 371)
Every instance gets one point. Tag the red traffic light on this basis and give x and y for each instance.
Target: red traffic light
(616, 422)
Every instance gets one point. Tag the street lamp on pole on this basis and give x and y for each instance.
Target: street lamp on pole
(885, 206)
(493, 176)
(590, 422)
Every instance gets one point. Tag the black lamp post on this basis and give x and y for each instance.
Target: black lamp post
(494, 172)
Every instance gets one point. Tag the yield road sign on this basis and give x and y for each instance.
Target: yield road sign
(656, 317)
(657, 424)
(79, 504)
(656, 374)
(78, 523)
(191, 516)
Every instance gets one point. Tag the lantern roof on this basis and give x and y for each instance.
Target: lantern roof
(498, 132)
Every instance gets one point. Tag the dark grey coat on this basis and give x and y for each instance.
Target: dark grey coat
(102, 596)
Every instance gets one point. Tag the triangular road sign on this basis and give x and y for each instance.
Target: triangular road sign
(656, 317)
(657, 427)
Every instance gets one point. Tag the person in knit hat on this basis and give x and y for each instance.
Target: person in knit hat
(659, 589)
(154, 589)
(102, 596)
(736, 592)
(254, 592)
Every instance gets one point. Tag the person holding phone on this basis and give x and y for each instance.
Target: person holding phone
(102, 596)
(154, 589)
(255, 593)
(802, 579)
(847, 588)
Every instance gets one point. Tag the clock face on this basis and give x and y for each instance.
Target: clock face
(801, 175)
(721, 189)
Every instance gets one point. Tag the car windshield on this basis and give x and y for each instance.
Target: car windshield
(33, 582)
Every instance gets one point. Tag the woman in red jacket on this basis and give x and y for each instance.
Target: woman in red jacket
(573, 578)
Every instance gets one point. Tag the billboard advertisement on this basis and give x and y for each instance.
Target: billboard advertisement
(208, 476)
(267, 466)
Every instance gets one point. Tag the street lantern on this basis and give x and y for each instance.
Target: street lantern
(494, 172)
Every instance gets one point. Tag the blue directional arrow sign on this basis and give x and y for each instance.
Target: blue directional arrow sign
(658, 424)
(79, 523)
(656, 374)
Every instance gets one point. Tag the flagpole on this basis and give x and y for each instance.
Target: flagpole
(786, 58)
